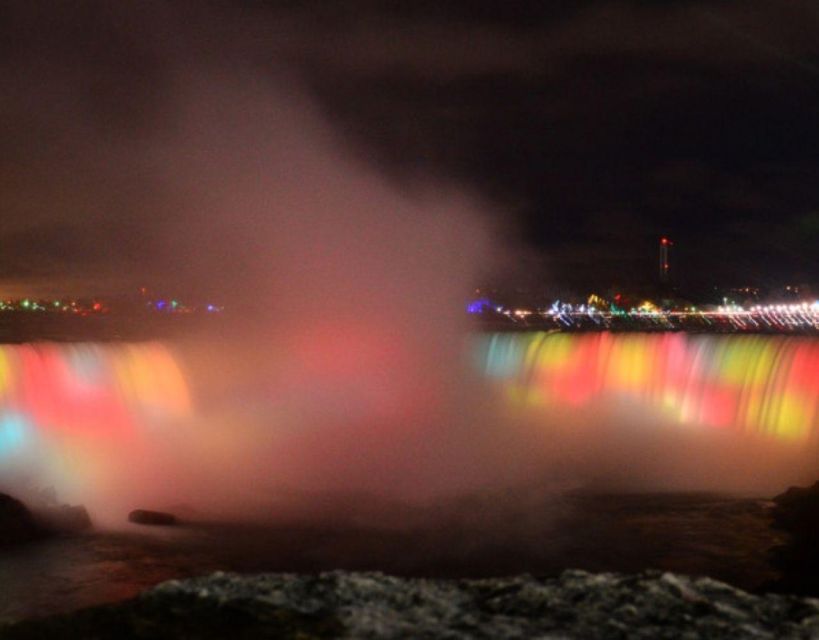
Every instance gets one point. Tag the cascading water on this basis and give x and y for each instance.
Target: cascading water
(758, 384)
(669, 411)
(116, 426)
(76, 415)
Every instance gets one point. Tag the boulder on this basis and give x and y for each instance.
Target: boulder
(797, 511)
(17, 524)
(156, 518)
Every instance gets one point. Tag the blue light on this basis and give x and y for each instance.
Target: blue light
(478, 306)
(161, 305)
(503, 357)
(13, 428)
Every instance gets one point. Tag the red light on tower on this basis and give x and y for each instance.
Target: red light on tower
(664, 244)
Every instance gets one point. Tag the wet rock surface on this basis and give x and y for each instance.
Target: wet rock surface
(371, 605)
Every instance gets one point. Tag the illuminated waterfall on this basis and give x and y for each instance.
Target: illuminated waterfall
(115, 424)
(60, 395)
(761, 384)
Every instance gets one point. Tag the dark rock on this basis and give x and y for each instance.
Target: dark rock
(143, 516)
(16, 522)
(371, 605)
(796, 511)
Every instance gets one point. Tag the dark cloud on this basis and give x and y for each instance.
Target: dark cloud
(596, 126)
(689, 117)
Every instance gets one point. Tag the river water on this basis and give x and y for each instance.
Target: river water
(721, 536)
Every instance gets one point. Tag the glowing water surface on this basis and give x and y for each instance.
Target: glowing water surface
(766, 385)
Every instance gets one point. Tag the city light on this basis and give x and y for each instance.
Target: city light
(99, 306)
(798, 317)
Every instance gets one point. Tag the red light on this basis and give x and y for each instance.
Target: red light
(664, 240)
(97, 306)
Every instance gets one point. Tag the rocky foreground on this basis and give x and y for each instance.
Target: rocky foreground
(371, 605)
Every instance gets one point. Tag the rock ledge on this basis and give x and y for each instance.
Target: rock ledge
(371, 605)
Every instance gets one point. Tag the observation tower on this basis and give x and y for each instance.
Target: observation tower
(665, 244)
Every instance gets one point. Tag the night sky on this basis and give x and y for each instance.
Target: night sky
(593, 128)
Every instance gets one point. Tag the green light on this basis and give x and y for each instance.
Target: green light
(26, 303)
(56, 303)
